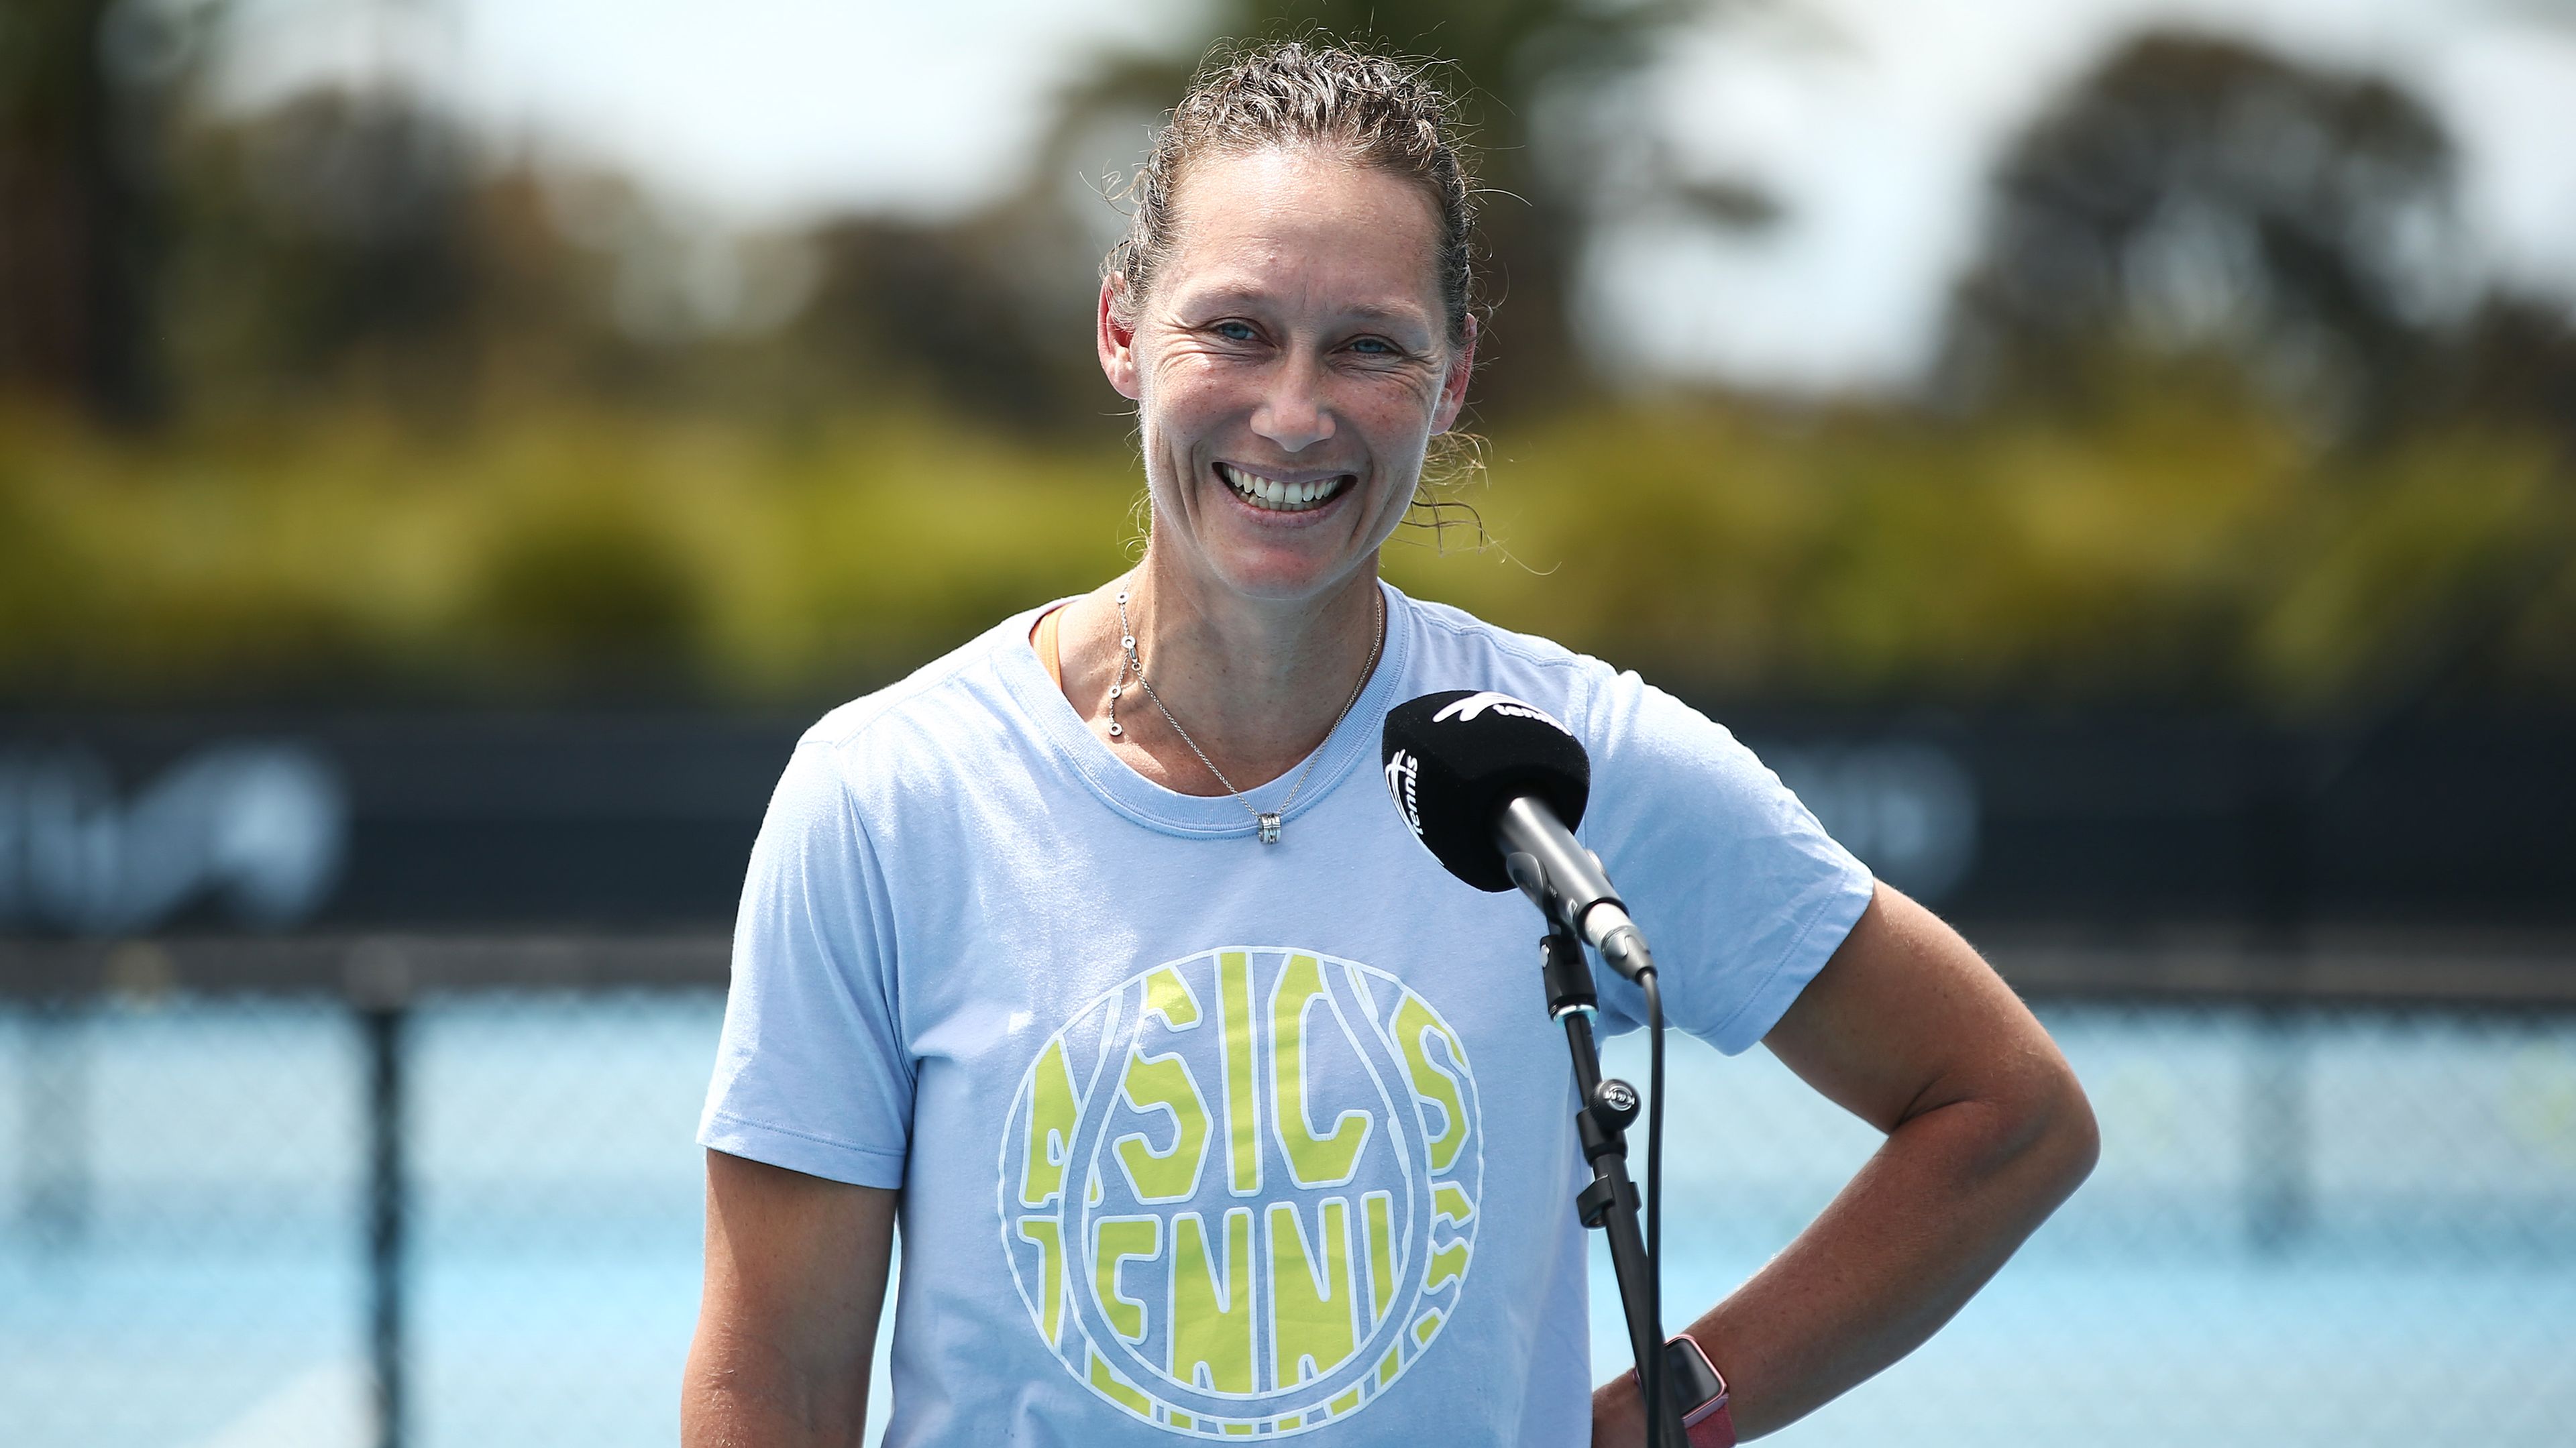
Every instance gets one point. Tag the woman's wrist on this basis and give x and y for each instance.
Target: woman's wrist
(1717, 1430)
(1619, 1416)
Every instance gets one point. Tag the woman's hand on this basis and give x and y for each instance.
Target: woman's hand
(1988, 1132)
(1618, 1413)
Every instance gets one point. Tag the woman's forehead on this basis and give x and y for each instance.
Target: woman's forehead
(1252, 226)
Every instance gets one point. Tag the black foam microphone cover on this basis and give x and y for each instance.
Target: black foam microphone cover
(1455, 759)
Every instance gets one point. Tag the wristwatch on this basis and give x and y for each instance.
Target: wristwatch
(1699, 1390)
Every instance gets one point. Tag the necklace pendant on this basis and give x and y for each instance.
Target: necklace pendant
(1269, 829)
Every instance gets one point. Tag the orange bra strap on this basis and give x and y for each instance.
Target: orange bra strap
(1043, 639)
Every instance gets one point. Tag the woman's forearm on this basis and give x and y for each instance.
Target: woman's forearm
(737, 1396)
(1934, 1213)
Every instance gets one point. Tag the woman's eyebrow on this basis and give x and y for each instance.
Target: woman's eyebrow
(1371, 312)
(1218, 298)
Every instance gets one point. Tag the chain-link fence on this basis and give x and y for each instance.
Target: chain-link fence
(219, 1213)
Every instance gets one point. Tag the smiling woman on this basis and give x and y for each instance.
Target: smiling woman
(1204, 1101)
(1290, 311)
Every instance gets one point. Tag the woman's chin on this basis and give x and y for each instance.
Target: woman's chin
(1280, 572)
(1282, 557)
(1272, 578)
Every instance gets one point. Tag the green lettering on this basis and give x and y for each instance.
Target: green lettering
(1234, 999)
(1375, 1209)
(1113, 1241)
(1310, 1310)
(1314, 1161)
(1447, 1263)
(1168, 996)
(1164, 1082)
(1053, 1114)
(1212, 1311)
(1413, 1021)
(1111, 1384)
(1050, 1244)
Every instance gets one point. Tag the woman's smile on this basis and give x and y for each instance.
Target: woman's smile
(1285, 492)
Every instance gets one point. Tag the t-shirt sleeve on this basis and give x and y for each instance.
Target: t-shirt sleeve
(813, 1073)
(1739, 890)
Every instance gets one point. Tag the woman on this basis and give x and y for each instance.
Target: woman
(1209, 1103)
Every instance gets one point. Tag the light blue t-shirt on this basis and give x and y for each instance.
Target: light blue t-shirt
(1205, 1137)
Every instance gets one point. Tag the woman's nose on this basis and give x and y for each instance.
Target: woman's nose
(1292, 414)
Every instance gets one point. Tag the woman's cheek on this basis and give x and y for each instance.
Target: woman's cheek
(1394, 424)
(1400, 397)
(1188, 390)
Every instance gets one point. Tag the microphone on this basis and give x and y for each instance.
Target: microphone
(1493, 787)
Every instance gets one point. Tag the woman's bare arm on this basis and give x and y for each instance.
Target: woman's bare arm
(1987, 1132)
(796, 1273)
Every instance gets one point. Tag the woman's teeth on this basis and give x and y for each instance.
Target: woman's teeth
(1277, 496)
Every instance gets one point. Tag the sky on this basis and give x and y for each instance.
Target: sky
(1876, 122)
(766, 112)
(1872, 121)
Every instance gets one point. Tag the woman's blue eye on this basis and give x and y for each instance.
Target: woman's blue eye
(1374, 346)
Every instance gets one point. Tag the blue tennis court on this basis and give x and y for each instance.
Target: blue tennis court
(2297, 1223)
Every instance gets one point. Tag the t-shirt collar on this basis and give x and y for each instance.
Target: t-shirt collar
(1150, 804)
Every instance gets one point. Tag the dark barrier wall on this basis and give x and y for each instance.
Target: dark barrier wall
(123, 825)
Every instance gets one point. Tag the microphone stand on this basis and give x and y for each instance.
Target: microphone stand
(1603, 1112)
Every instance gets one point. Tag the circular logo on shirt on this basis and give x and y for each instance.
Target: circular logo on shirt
(1239, 1192)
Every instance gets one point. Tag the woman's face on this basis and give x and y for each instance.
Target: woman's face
(1290, 366)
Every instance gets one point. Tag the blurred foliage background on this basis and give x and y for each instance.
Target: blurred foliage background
(328, 402)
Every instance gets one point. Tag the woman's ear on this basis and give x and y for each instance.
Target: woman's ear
(1117, 341)
(1453, 383)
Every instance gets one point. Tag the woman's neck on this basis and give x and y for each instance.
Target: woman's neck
(1257, 683)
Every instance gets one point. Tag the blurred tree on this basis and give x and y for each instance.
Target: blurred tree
(80, 85)
(2515, 356)
(981, 312)
(2198, 194)
(328, 232)
(2196, 197)
(1018, 278)
(351, 237)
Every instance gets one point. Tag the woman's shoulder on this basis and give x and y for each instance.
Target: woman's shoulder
(1460, 650)
(1449, 628)
(939, 709)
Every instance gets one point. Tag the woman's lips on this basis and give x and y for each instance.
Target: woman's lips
(1273, 496)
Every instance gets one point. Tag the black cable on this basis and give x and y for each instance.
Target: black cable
(1658, 1403)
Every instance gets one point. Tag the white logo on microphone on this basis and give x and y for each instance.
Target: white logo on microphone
(1400, 772)
(1468, 708)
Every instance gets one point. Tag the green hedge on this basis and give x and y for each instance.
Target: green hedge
(2180, 547)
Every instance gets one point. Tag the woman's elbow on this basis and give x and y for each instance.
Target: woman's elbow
(2065, 1139)
(2035, 1135)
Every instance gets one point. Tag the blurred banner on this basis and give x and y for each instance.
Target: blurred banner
(631, 821)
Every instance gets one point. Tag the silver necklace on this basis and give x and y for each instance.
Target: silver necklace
(1268, 820)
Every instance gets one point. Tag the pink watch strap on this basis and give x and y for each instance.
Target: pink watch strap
(1709, 1425)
